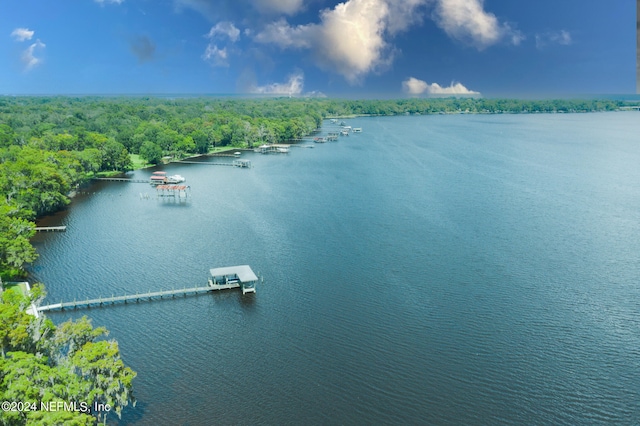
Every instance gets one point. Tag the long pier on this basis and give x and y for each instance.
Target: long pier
(116, 179)
(211, 163)
(101, 301)
(51, 228)
(236, 163)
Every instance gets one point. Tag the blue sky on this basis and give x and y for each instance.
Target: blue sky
(362, 48)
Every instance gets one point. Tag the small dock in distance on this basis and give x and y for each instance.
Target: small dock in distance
(51, 228)
(117, 179)
(235, 163)
(173, 192)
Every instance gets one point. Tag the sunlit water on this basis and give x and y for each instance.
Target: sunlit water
(464, 269)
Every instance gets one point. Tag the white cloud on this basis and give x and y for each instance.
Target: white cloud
(293, 86)
(28, 56)
(414, 86)
(22, 34)
(561, 37)
(351, 38)
(404, 14)
(348, 40)
(468, 22)
(216, 56)
(285, 36)
(103, 2)
(225, 29)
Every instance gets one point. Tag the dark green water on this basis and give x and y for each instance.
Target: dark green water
(431, 270)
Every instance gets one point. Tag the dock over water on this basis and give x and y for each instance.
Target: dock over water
(51, 228)
(119, 179)
(235, 163)
(221, 278)
(138, 297)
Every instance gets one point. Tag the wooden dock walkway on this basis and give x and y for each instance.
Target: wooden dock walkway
(116, 179)
(101, 301)
(236, 163)
(211, 163)
(51, 228)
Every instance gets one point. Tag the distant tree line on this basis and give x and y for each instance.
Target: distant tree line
(107, 129)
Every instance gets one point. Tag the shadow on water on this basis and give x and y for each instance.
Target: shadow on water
(130, 415)
(247, 300)
(170, 204)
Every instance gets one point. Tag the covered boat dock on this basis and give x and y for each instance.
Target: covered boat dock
(233, 277)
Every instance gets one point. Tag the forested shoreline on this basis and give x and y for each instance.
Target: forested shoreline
(49, 146)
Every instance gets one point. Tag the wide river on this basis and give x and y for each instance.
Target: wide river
(447, 269)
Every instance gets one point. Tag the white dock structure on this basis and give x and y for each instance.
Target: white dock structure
(233, 277)
(273, 148)
(242, 163)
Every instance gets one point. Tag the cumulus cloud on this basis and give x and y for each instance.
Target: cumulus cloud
(348, 40)
(468, 22)
(414, 86)
(28, 56)
(293, 86)
(561, 37)
(225, 29)
(216, 56)
(143, 48)
(353, 38)
(22, 34)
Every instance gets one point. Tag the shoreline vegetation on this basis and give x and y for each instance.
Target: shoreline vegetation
(50, 146)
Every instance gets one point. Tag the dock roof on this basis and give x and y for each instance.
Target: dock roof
(244, 272)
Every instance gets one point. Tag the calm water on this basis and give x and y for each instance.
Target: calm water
(431, 270)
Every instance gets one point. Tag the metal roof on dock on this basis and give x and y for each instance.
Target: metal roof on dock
(244, 272)
(172, 187)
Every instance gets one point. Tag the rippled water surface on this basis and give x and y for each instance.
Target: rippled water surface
(462, 269)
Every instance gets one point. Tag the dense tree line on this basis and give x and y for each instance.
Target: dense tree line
(112, 128)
